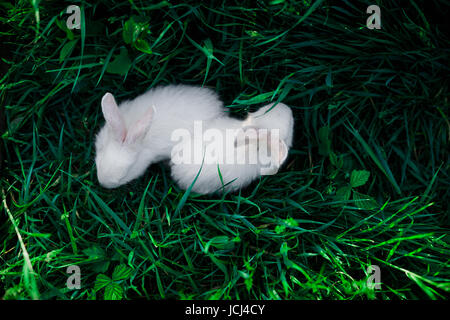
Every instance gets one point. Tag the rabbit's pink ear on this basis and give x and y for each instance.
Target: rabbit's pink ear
(113, 117)
(278, 148)
(140, 128)
(282, 152)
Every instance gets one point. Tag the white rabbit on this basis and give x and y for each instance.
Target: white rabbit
(137, 133)
(229, 154)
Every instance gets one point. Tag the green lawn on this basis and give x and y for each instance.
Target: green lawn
(366, 182)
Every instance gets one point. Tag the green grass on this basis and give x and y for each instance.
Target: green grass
(366, 182)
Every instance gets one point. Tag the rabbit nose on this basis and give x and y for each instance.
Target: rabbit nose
(108, 185)
(108, 182)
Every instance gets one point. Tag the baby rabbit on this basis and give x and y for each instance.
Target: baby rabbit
(231, 153)
(137, 133)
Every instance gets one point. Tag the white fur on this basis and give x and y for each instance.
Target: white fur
(234, 176)
(279, 117)
(138, 132)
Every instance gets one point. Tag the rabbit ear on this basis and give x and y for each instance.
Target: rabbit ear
(140, 128)
(278, 152)
(282, 152)
(277, 146)
(113, 118)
